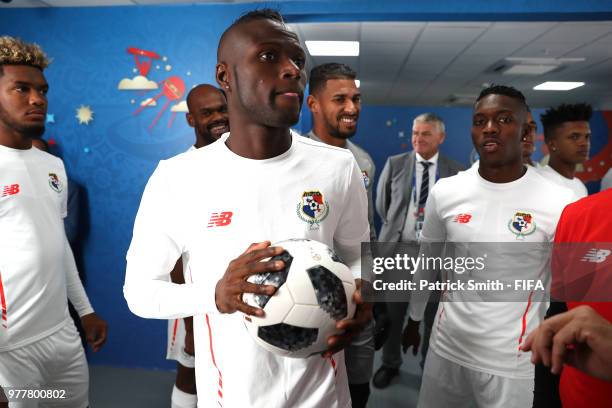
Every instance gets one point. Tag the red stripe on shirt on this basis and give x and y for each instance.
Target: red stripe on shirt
(212, 356)
(524, 324)
(3, 304)
(333, 364)
(176, 322)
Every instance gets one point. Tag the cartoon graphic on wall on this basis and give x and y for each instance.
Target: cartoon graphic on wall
(172, 88)
(143, 66)
(84, 114)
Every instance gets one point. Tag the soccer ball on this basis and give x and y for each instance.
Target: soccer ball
(315, 291)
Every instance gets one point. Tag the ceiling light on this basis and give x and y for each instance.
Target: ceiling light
(543, 61)
(534, 66)
(557, 86)
(529, 69)
(333, 48)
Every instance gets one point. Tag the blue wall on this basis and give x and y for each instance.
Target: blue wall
(113, 156)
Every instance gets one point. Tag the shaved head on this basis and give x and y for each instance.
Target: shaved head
(207, 114)
(201, 90)
(261, 69)
(255, 15)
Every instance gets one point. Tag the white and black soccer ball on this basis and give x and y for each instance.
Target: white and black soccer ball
(315, 291)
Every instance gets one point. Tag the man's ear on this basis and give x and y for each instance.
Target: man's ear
(525, 129)
(312, 103)
(551, 143)
(222, 76)
(190, 119)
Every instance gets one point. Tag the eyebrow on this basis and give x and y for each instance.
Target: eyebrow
(41, 85)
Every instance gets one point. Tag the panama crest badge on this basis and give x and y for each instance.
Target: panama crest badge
(55, 183)
(522, 224)
(312, 208)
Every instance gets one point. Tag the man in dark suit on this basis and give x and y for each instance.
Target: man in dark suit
(401, 194)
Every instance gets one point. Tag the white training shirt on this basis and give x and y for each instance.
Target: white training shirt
(37, 269)
(486, 336)
(228, 202)
(575, 184)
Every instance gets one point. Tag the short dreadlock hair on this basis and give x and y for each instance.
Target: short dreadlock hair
(14, 51)
(555, 117)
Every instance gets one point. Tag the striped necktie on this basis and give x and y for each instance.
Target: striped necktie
(424, 184)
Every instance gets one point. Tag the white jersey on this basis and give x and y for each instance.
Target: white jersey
(37, 270)
(486, 336)
(574, 184)
(227, 203)
(175, 349)
(368, 171)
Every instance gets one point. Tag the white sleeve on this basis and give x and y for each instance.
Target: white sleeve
(64, 192)
(74, 286)
(353, 226)
(433, 233)
(156, 245)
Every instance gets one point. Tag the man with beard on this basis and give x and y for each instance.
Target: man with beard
(568, 136)
(244, 189)
(208, 116)
(474, 355)
(335, 103)
(39, 344)
(401, 195)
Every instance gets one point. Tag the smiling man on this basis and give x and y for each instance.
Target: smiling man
(207, 114)
(401, 195)
(568, 136)
(335, 104)
(208, 117)
(238, 195)
(474, 355)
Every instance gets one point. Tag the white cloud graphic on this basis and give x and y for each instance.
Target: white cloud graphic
(137, 83)
(146, 102)
(180, 107)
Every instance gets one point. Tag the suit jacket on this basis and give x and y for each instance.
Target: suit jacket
(395, 189)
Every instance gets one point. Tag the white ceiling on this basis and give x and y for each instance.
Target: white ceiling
(446, 64)
(434, 64)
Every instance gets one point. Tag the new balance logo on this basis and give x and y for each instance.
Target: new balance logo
(10, 190)
(596, 255)
(462, 218)
(220, 219)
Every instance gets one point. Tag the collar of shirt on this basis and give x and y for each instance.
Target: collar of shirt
(433, 160)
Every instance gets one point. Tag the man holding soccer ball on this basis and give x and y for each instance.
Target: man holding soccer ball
(246, 188)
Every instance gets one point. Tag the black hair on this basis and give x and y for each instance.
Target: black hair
(320, 74)
(253, 15)
(555, 117)
(508, 91)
